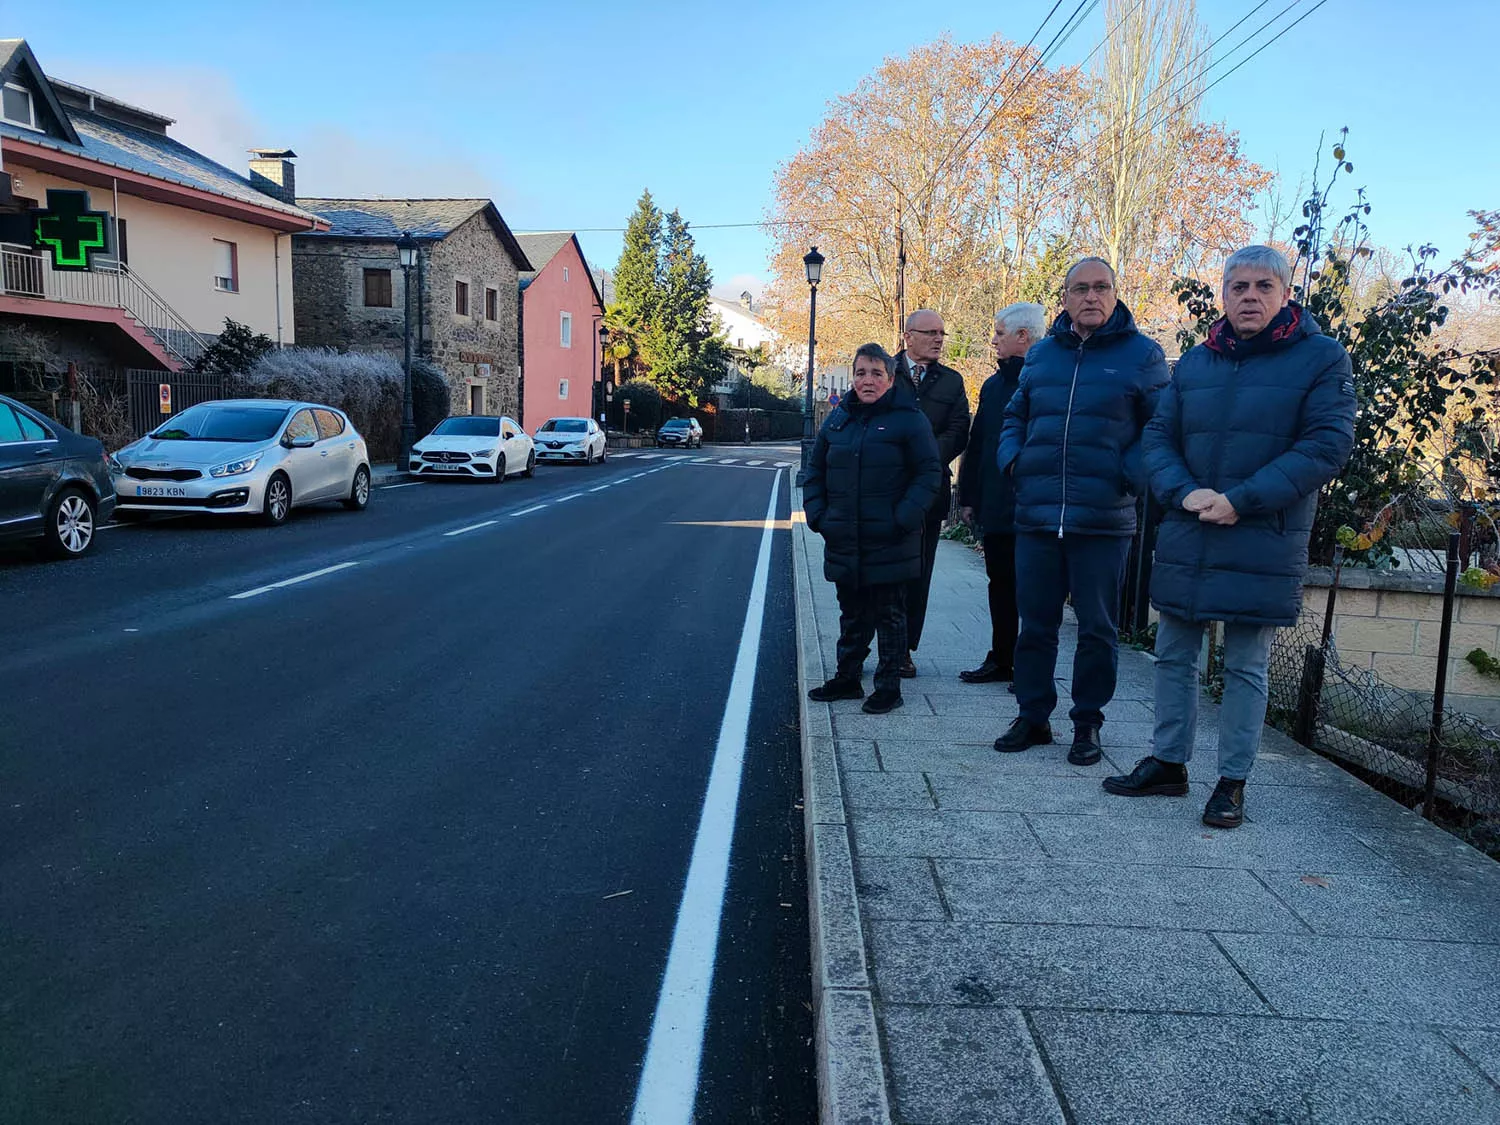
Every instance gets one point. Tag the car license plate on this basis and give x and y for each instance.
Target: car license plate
(449, 468)
(160, 490)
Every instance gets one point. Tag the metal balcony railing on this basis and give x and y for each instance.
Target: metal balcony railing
(107, 285)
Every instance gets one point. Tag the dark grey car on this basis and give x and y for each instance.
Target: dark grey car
(54, 484)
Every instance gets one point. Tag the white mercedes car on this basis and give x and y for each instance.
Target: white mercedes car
(570, 439)
(478, 446)
(260, 457)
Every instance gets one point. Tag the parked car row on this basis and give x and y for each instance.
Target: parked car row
(248, 457)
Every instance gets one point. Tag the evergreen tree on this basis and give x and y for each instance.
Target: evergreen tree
(638, 280)
(678, 345)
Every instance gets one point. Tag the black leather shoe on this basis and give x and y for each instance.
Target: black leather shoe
(1151, 777)
(1023, 735)
(990, 672)
(1086, 749)
(883, 700)
(1226, 808)
(839, 687)
(907, 669)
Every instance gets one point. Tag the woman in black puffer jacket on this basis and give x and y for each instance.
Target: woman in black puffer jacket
(873, 475)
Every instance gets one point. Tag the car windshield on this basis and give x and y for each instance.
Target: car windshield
(224, 423)
(676, 424)
(564, 426)
(468, 427)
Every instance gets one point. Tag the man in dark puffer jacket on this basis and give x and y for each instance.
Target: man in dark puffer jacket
(1259, 418)
(1072, 444)
(871, 479)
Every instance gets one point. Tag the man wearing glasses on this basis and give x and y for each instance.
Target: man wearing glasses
(941, 394)
(1072, 442)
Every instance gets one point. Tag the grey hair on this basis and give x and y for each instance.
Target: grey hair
(1023, 314)
(875, 351)
(918, 312)
(1091, 260)
(1265, 258)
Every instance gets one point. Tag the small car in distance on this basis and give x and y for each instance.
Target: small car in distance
(475, 446)
(259, 457)
(570, 439)
(53, 483)
(683, 432)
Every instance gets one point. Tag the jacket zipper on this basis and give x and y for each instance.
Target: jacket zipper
(1067, 428)
(1233, 396)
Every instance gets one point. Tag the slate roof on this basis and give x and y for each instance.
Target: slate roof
(387, 219)
(544, 245)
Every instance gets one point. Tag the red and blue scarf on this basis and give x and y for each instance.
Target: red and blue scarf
(1273, 337)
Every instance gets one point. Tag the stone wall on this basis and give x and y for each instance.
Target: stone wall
(329, 282)
(1390, 623)
(465, 345)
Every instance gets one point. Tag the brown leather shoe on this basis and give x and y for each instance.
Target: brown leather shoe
(907, 669)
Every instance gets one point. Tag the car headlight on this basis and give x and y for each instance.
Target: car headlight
(483, 453)
(235, 468)
(116, 466)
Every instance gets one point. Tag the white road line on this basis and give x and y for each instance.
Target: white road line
(728, 460)
(755, 462)
(471, 527)
(408, 484)
(290, 581)
(528, 511)
(783, 464)
(669, 1077)
(569, 496)
(624, 453)
(701, 460)
(602, 487)
(650, 456)
(637, 476)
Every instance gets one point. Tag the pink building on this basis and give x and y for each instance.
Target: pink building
(561, 309)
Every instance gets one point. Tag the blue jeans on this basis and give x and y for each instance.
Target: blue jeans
(1092, 569)
(1247, 648)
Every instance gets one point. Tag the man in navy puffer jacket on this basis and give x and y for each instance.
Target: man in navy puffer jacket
(1259, 418)
(1072, 445)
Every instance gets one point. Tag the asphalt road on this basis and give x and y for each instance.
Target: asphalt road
(403, 841)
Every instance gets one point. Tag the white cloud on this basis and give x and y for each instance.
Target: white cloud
(215, 119)
(741, 282)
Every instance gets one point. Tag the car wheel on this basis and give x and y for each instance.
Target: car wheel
(359, 491)
(278, 502)
(530, 470)
(71, 519)
(500, 469)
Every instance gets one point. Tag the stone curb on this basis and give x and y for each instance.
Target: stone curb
(851, 1071)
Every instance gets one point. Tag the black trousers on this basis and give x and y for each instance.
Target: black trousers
(1090, 568)
(867, 612)
(1005, 620)
(916, 589)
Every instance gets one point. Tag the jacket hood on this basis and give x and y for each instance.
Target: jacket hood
(1121, 322)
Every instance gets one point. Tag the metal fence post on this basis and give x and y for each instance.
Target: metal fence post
(1315, 664)
(1440, 686)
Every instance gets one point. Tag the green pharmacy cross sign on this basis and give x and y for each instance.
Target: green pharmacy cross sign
(72, 232)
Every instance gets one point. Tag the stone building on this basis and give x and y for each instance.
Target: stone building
(350, 293)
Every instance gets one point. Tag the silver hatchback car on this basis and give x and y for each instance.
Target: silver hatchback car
(260, 457)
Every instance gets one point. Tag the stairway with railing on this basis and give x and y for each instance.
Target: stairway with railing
(107, 285)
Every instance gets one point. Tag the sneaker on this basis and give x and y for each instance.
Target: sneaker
(990, 672)
(883, 700)
(907, 668)
(1023, 735)
(1086, 749)
(1226, 808)
(1151, 777)
(840, 687)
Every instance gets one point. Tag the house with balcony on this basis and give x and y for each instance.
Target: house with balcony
(121, 248)
(464, 304)
(561, 310)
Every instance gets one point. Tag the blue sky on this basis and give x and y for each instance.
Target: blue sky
(563, 112)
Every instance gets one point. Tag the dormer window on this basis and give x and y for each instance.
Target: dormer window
(16, 106)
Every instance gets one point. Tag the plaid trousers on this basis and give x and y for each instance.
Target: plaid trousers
(867, 612)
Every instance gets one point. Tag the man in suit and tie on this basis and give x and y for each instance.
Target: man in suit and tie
(945, 402)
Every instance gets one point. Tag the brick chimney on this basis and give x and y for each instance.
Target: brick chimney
(272, 172)
(746, 302)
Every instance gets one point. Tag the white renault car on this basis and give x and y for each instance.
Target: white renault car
(570, 439)
(260, 457)
(474, 445)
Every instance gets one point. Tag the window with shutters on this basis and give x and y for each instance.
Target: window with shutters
(378, 289)
(461, 298)
(226, 266)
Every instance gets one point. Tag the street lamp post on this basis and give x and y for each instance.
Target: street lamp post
(601, 388)
(406, 250)
(814, 263)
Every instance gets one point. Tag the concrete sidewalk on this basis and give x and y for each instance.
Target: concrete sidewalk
(995, 939)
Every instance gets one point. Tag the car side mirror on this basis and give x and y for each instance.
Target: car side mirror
(299, 443)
